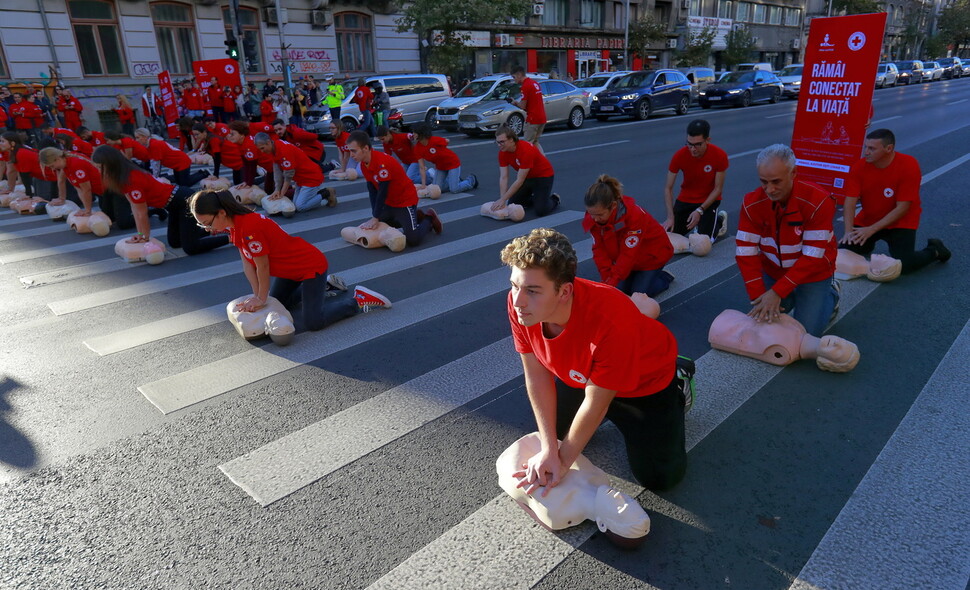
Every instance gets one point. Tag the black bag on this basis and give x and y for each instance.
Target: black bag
(685, 375)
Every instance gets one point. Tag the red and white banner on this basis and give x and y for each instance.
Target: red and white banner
(835, 101)
(170, 109)
(226, 72)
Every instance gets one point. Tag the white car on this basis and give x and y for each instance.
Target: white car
(599, 82)
(791, 78)
(932, 71)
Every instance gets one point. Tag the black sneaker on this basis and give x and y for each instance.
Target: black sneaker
(330, 195)
(474, 183)
(328, 167)
(556, 199)
(942, 252)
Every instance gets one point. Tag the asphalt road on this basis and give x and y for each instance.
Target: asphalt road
(143, 444)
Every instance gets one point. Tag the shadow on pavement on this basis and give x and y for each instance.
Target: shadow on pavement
(15, 448)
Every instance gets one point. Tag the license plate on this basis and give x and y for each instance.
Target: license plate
(606, 108)
(713, 98)
(466, 125)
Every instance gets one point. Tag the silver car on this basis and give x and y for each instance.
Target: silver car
(932, 71)
(475, 91)
(886, 75)
(564, 104)
(599, 82)
(791, 78)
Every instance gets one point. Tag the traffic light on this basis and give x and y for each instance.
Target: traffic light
(232, 48)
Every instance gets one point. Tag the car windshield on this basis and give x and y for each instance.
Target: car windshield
(637, 80)
(592, 82)
(908, 65)
(791, 71)
(503, 90)
(475, 89)
(882, 68)
(931, 64)
(737, 77)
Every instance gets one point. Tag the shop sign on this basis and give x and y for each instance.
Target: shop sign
(579, 43)
(720, 26)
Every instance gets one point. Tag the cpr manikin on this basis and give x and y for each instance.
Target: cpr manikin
(348, 174)
(19, 192)
(647, 305)
(97, 223)
(511, 212)
(152, 251)
(215, 183)
(251, 195)
(60, 212)
(27, 205)
(282, 206)
(431, 191)
(781, 342)
(382, 235)
(879, 268)
(199, 158)
(271, 320)
(696, 244)
(583, 493)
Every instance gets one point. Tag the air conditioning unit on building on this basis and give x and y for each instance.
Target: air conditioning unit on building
(538, 9)
(796, 43)
(671, 43)
(755, 41)
(684, 4)
(271, 18)
(502, 40)
(321, 18)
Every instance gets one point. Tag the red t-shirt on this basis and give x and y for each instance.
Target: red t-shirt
(526, 156)
(62, 131)
(290, 257)
(97, 138)
(267, 112)
(28, 163)
(82, 147)
(220, 129)
(80, 170)
(622, 350)
(401, 145)
(229, 102)
(341, 141)
(142, 188)
(215, 95)
(260, 127)
(125, 115)
(138, 151)
(535, 109)
(231, 155)
(167, 155)
(290, 157)
(699, 173)
(194, 100)
(384, 168)
(249, 151)
(438, 153)
(304, 140)
(364, 97)
(879, 189)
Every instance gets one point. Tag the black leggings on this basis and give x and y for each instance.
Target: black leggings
(188, 178)
(319, 311)
(708, 225)
(28, 181)
(536, 193)
(118, 208)
(652, 426)
(183, 232)
(216, 163)
(406, 219)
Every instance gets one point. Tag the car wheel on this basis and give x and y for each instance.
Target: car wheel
(684, 105)
(745, 99)
(350, 124)
(516, 123)
(774, 96)
(576, 118)
(643, 110)
(431, 118)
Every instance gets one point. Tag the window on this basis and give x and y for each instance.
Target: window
(252, 47)
(355, 42)
(760, 14)
(590, 14)
(774, 15)
(4, 72)
(725, 9)
(175, 33)
(95, 27)
(793, 17)
(695, 7)
(744, 12)
(556, 13)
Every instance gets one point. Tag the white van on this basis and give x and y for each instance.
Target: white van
(413, 95)
(764, 66)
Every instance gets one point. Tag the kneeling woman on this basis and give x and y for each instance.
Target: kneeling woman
(86, 178)
(630, 248)
(267, 251)
(143, 192)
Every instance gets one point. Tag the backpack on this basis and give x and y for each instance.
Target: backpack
(685, 376)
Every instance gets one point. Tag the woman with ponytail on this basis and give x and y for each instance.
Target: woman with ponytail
(268, 252)
(145, 193)
(86, 178)
(630, 248)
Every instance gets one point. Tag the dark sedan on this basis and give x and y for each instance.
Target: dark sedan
(742, 89)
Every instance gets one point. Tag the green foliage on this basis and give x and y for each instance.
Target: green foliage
(856, 6)
(645, 32)
(740, 44)
(954, 23)
(449, 57)
(934, 47)
(697, 50)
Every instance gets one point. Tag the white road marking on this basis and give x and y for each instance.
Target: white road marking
(586, 147)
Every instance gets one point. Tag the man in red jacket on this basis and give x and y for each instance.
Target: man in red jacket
(301, 138)
(153, 109)
(532, 186)
(785, 245)
(195, 103)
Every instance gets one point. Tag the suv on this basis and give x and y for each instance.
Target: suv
(700, 78)
(887, 75)
(910, 71)
(639, 94)
(413, 95)
(449, 109)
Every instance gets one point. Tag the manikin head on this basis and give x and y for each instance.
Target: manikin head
(602, 199)
(880, 147)
(506, 139)
(543, 267)
(776, 171)
(698, 135)
(836, 355)
(360, 147)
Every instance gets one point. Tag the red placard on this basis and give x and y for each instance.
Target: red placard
(226, 71)
(835, 101)
(170, 109)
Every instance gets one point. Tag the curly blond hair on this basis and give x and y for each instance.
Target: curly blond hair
(546, 249)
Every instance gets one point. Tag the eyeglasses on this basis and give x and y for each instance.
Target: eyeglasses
(208, 226)
(696, 145)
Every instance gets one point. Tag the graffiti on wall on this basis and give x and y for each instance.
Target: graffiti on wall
(303, 61)
(146, 69)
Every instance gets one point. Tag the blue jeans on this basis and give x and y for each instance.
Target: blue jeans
(367, 123)
(319, 311)
(306, 197)
(651, 282)
(414, 173)
(813, 304)
(453, 178)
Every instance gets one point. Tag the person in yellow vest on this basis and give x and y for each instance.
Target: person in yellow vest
(333, 97)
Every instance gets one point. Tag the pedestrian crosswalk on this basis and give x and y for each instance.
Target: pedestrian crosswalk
(494, 544)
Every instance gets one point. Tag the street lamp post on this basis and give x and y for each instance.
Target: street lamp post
(626, 37)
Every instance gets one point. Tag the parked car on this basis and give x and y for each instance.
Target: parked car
(887, 75)
(742, 89)
(700, 78)
(564, 104)
(640, 94)
(763, 66)
(910, 71)
(791, 80)
(599, 82)
(965, 62)
(414, 96)
(932, 71)
(448, 110)
(952, 67)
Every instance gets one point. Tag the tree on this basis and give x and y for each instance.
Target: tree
(934, 47)
(644, 33)
(740, 44)
(856, 6)
(954, 24)
(697, 49)
(426, 18)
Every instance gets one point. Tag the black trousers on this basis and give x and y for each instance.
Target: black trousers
(708, 224)
(652, 426)
(188, 178)
(118, 208)
(319, 311)
(536, 193)
(406, 219)
(902, 245)
(183, 232)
